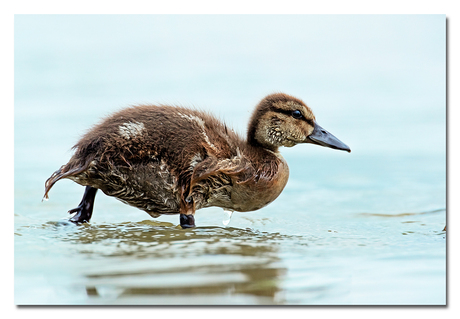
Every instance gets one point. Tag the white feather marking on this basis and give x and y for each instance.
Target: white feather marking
(131, 129)
(195, 160)
(200, 122)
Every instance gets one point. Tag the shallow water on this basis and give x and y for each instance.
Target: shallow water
(360, 228)
(314, 245)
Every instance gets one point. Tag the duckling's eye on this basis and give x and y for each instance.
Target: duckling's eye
(296, 114)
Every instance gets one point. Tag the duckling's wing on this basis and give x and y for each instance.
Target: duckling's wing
(237, 168)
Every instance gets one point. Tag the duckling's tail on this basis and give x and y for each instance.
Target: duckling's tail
(64, 171)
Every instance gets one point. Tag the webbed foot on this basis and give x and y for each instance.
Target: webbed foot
(82, 215)
(187, 221)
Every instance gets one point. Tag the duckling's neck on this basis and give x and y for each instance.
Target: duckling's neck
(257, 135)
(252, 141)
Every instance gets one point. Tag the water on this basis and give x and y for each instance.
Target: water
(227, 217)
(359, 228)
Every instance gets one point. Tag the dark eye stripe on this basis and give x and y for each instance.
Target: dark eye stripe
(302, 118)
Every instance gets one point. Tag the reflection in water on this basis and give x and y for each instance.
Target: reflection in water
(157, 259)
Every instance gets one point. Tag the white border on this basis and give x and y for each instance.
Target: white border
(450, 8)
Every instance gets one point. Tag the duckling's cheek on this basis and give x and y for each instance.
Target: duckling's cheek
(294, 138)
(274, 136)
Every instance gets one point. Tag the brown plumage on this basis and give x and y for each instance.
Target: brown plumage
(169, 160)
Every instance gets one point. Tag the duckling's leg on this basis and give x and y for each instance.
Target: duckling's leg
(85, 208)
(187, 212)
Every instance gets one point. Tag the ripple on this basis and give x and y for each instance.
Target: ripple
(152, 238)
(401, 214)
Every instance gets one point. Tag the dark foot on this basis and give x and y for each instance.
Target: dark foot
(187, 221)
(84, 211)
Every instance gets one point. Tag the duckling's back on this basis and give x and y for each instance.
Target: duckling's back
(154, 132)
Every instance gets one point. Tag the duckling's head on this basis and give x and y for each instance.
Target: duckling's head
(283, 120)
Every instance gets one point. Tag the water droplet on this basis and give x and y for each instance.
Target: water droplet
(227, 217)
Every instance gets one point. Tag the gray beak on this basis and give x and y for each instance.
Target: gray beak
(322, 137)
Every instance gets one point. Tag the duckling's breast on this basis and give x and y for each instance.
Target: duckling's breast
(263, 188)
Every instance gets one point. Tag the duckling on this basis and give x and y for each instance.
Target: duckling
(174, 160)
